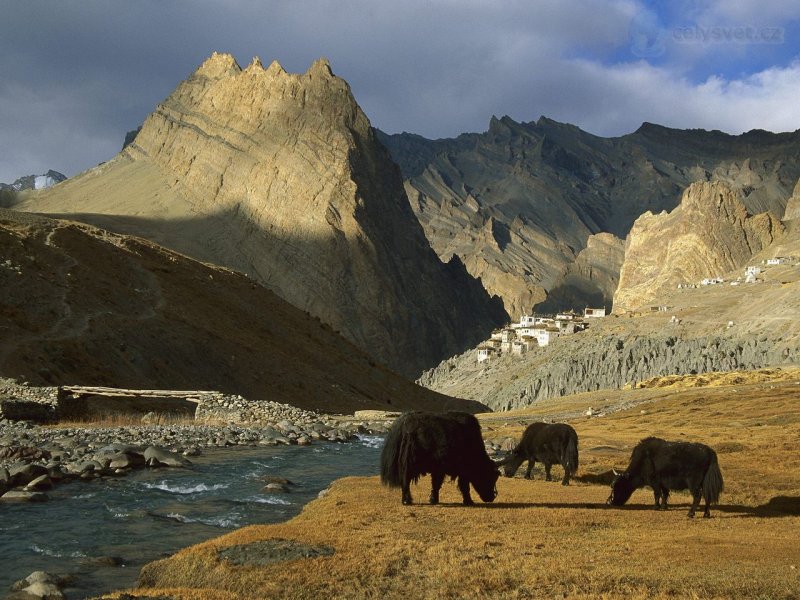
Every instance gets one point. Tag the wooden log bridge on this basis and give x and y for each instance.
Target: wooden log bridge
(85, 390)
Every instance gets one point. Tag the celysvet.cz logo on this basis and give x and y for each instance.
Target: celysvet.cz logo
(721, 34)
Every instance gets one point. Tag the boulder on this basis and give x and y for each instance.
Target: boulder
(23, 496)
(23, 473)
(159, 457)
(43, 482)
(126, 460)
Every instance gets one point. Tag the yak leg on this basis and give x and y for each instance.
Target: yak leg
(407, 492)
(662, 494)
(565, 480)
(695, 503)
(437, 478)
(463, 486)
(531, 462)
(547, 476)
(707, 511)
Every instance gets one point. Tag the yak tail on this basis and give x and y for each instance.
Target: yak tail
(712, 483)
(570, 458)
(395, 457)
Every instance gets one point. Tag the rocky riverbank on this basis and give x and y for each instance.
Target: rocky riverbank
(34, 457)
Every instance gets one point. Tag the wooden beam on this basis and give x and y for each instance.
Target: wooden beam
(82, 390)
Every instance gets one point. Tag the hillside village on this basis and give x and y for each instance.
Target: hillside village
(535, 331)
(751, 272)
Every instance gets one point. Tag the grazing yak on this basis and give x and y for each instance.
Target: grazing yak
(666, 466)
(549, 444)
(440, 444)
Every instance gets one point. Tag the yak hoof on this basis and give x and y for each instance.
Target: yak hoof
(434, 501)
(565, 482)
(469, 503)
(407, 501)
(691, 514)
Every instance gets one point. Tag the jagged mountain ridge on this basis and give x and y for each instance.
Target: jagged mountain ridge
(280, 176)
(121, 311)
(546, 187)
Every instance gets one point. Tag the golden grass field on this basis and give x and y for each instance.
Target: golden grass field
(540, 539)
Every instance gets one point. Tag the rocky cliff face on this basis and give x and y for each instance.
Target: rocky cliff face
(588, 363)
(551, 186)
(793, 205)
(281, 176)
(120, 311)
(708, 235)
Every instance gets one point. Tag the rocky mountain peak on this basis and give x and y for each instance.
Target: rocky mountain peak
(708, 235)
(275, 69)
(320, 67)
(219, 65)
(255, 65)
(280, 175)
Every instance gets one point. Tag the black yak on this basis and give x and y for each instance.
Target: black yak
(440, 444)
(666, 466)
(549, 444)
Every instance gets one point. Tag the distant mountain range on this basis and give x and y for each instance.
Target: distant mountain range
(35, 182)
(521, 202)
(281, 177)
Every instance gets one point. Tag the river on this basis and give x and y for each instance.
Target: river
(152, 513)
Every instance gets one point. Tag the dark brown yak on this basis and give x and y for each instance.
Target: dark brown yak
(550, 444)
(666, 466)
(440, 444)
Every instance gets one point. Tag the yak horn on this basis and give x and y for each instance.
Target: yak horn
(614, 471)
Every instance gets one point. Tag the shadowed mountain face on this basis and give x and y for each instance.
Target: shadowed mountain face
(81, 305)
(520, 202)
(281, 176)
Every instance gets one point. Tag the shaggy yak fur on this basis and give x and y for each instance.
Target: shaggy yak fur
(548, 444)
(440, 444)
(666, 466)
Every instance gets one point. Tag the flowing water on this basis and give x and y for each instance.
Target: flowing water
(152, 513)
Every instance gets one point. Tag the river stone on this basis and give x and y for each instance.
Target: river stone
(45, 590)
(23, 473)
(267, 552)
(23, 496)
(157, 456)
(275, 488)
(35, 577)
(126, 460)
(43, 482)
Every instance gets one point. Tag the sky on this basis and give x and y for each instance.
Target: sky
(75, 75)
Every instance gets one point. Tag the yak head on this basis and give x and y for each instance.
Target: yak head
(511, 463)
(621, 489)
(485, 483)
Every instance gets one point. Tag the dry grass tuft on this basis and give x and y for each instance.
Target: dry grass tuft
(540, 539)
(116, 419)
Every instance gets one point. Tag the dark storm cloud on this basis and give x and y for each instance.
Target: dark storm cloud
(77, 74)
